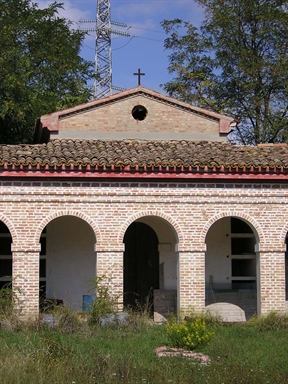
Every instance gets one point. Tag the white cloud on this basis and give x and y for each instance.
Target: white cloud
(69, 11)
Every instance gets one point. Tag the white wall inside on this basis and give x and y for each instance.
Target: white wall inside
(217, 264)
(168, 257)
(71, 260)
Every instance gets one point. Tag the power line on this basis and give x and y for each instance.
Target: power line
(131, 37)
(149, 38)
(146, 29)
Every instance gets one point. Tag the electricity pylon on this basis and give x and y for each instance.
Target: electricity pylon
(103, 55)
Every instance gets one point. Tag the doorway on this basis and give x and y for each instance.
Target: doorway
(141, 266)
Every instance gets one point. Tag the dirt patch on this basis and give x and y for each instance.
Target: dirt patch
(168, 351)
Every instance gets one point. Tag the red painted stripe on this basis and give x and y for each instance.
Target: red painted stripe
(53, 174)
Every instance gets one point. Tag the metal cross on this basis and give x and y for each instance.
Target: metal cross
(139, 74)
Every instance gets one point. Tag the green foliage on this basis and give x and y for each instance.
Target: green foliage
(273, 321)
(239, 353)
(54, 349)
(40, 67)
(188, 334)
(210, 319)
(6, 301)
(10, 308)
(105, 302)
(235, 63)
(67, 320)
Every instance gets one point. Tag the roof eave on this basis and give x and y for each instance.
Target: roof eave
(233, 175)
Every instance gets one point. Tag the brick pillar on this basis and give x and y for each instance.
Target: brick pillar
(191, 288)
(25, 282)
(271, 278)
(110, 266)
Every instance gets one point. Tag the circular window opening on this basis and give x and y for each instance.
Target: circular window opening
(139, 112)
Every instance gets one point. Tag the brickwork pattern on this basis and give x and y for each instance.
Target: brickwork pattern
(117, 117)
(26, 207)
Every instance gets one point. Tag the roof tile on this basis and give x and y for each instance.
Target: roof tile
(125, 153)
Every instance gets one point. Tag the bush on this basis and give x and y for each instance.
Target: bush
(67, 320)
(9, 308)
(6, 301)
(211, 320)
(188, 334)
(272, 322)
(105, 302)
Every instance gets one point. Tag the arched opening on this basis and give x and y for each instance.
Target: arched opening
(5, 256)
(141, 266)
(67, 261)
(150, 266)
(231, 265)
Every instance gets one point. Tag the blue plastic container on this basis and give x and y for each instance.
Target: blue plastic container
(87, 302)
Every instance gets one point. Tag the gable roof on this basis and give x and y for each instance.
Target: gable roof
(145, 159)
(50, 123)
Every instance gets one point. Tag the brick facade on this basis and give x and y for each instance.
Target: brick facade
(189, 209)
(111, 117)
(159, 118)
(108, 171)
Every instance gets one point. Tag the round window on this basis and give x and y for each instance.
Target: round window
(139, 112)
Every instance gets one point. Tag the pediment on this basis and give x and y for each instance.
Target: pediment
(135, 113)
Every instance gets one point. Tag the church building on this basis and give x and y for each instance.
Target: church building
(146, 192)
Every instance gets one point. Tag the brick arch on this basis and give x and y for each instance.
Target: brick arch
(138, 215)
(283, 234)
(80, 215)
(239, 215)
(10, 226)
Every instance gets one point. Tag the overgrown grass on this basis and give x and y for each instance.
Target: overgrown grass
(76, 350)
(83, 354)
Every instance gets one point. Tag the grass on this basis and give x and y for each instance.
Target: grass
(254, 352)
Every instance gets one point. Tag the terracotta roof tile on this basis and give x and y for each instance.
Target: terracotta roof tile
(143, 153)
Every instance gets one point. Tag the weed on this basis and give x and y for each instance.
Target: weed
(6, 300)
(210, 319)
(54, 349)
(9, 303)
(273, 321)
(105, 302)
(238, 354)
(188, 334)
(139, 320)
(67, 320)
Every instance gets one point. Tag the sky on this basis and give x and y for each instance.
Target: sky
(144, 48)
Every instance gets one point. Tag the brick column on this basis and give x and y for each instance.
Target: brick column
(271, 278)
(110, 266)
(191, 287)
(25, 282)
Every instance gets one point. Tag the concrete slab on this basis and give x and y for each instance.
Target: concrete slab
(158, 318)
(227, 312)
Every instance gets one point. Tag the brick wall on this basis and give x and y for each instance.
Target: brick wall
(117, 118)
(190, 209)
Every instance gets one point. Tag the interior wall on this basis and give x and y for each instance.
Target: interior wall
(70, 260)
(217, 264)
(231, 271)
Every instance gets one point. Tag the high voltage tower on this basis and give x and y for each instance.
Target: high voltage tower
(103, 55)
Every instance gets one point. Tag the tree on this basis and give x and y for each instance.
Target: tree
(40, 67)
(235, 63)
